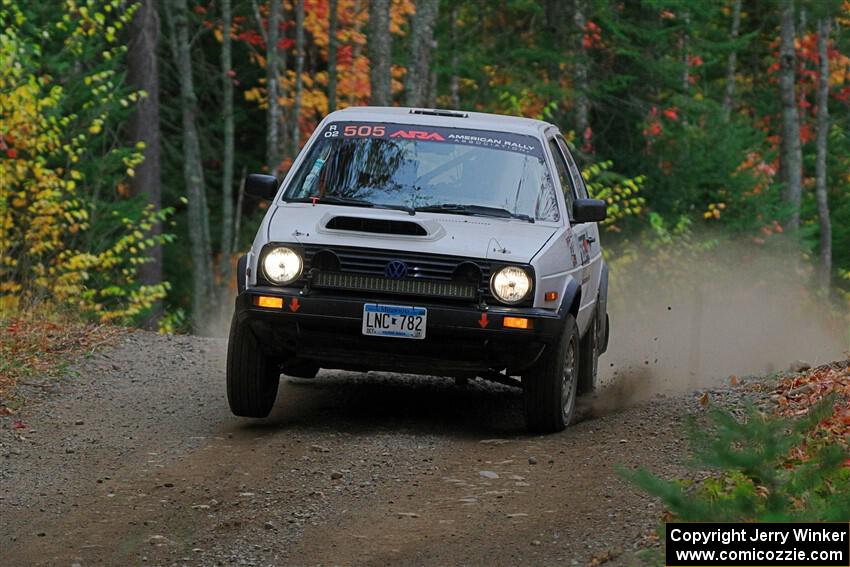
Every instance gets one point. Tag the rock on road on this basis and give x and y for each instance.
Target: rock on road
(136, 459)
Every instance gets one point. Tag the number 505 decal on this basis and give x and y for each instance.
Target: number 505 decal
(364, 131)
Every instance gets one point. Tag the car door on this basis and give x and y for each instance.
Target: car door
(587, 235)
(575, 233)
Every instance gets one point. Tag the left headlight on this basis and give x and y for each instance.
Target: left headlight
(282, 265)
(511, 284)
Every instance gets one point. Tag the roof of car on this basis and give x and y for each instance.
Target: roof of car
(445, 118)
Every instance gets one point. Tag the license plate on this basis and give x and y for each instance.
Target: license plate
(394, 321)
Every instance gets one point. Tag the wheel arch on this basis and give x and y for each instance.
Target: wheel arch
(241, 271)
(571, 300)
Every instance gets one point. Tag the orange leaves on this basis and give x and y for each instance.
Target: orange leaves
(592, 38)
(654, 127)
(796, 394)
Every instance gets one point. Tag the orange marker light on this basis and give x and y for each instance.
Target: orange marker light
(270, 302)
(551, 296)
(516, 323)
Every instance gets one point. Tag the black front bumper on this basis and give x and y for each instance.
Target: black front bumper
(459, 341)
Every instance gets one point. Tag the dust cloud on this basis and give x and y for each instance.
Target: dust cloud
(694, 320)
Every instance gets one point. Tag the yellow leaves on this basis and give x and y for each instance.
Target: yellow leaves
(839, 69)
(713, 211)
(42, 210)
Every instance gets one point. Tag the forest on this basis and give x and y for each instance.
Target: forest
(127, 128)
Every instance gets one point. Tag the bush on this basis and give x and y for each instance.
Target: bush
(61, 101)
(755, 478)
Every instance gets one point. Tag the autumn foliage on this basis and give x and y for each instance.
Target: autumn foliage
(51, 135)
(797, 394)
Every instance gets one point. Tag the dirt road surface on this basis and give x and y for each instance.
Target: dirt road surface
(137, 460)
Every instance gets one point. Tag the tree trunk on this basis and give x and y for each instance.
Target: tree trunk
(732, 61)
(792, 156)
(686, 55)
(299, 70)
(418, 84)
(143, 74)
(273, 110)
(357, 49)
(332, 49)
(380, 52)
(193, 172)
(227, 166)
(238, 216)
(454, 81)
(825, 264)
(581, 101)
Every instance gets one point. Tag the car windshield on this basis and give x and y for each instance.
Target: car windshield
(413, 167)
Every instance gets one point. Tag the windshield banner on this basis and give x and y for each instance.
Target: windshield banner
(507, 141)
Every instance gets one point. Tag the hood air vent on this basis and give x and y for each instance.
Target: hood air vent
(378, 226)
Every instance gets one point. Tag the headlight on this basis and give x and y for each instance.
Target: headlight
(282, 265)
(510, 284)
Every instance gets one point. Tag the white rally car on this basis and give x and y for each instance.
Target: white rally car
(425, 241)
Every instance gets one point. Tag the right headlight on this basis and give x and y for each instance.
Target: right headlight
(511, 284)
(282, 265)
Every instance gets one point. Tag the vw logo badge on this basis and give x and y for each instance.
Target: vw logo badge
(396, 270)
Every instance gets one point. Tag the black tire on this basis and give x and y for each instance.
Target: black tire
(252, 377)
(300, 369)
(589, 358)
(550, 384)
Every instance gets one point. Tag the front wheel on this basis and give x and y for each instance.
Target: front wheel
(550, 384)
(252, 376)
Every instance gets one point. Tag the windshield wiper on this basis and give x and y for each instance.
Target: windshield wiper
(458, 209)
(332, 200)
(351, 202)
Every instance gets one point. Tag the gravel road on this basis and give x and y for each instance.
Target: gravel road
(135, 459)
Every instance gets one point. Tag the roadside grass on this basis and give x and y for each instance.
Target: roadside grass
(43, 342)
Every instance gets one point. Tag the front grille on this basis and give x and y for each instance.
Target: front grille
(374, 262)
(419, 287)
(428, 275)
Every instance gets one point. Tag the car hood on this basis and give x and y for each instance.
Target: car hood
(510, 240)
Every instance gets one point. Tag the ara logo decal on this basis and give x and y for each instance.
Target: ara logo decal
(417, 135)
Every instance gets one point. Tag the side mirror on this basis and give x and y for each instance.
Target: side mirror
(589, 210)
(261, 186)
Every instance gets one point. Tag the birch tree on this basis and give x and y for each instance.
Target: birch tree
(227, 161)
(299, 70)
(732, 61)
(582, 106)
(380, 52)
(454, 80)
(418, 83)
(825, 263)
(792, 155)
(333, 44)
(272, 73)
(193, 173)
